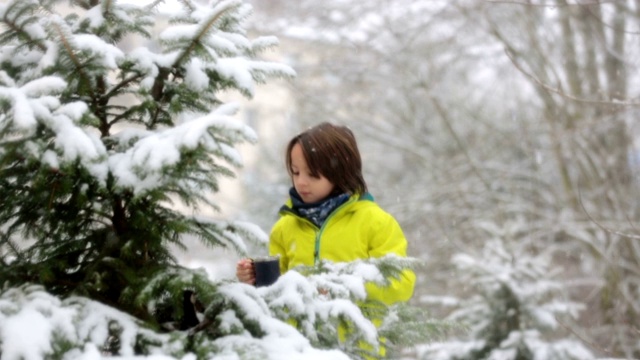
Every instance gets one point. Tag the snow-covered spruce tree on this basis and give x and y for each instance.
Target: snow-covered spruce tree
(514, 304)
(240, 321)
(99, 149)
(99, 145)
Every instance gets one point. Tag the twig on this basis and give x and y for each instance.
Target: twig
(201, 326)
(563, 94)
(582, 338)
(612, 231)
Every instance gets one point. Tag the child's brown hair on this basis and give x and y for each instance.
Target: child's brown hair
(331, 151)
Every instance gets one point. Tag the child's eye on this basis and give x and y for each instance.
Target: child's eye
(295, 173)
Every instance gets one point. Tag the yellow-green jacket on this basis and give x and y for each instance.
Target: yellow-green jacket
(358, 229)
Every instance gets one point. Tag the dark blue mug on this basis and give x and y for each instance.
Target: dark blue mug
(267, 270)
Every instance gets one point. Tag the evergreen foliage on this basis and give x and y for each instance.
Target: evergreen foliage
(336, 302)
(237, 319)
(514, 305)
(100, 148)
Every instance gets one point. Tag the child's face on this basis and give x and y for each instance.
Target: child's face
(311, 188)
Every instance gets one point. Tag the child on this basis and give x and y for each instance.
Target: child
(330, 215)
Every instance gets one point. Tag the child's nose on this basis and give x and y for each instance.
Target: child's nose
(303, 179)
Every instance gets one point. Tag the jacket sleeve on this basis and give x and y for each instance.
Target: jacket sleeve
(276, 246)
(387, 238)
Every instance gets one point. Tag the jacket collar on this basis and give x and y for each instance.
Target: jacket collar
(288, 206)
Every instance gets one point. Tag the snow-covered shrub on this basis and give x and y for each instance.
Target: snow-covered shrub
(514, 301)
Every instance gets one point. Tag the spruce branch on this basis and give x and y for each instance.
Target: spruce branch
(16, 28)
(65, 38)
(5, 239)
(107, 7)
(202, 33)
(151, 6)
(187, 4)
(158, 89)
(157, 93)
(125, 115)
(122, 84)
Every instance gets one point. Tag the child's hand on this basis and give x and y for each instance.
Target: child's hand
(245, 271)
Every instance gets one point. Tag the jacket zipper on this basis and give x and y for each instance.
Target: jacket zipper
(316, 251)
